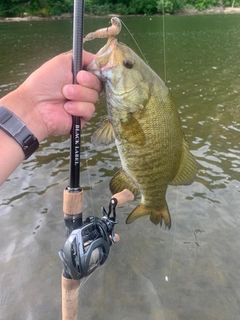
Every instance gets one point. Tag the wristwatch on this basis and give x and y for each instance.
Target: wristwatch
(17, 129)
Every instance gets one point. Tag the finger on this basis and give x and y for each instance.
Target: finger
(87, 57)
(123, 196)
(80, 93)
(85, 110)
(89, 80)
(117, 237)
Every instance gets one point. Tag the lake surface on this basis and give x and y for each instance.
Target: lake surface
(191, 272)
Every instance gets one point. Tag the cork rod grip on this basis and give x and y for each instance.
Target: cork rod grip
(70, 294)
(72, 202)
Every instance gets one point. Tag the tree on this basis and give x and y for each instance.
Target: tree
(102, 7)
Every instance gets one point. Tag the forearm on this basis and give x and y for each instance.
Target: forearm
(11, 156)
(10, 150)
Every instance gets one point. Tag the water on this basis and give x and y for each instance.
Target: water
(189, 272)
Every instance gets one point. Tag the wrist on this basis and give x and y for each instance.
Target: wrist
(17, 130)
(19, 103)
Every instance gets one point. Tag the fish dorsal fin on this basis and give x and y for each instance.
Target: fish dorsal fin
(132, 132)
(188, 168)
(121, 181)
(104, 135)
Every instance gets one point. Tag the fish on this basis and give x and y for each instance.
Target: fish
(143, 121)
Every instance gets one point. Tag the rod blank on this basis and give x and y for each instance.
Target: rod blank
(78, 16)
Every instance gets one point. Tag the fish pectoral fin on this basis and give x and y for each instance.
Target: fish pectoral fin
(104, 135)
(132, 132)
(188, 168)
(121, 181)
(156, 215)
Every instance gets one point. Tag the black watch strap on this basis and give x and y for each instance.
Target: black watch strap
(17, 129)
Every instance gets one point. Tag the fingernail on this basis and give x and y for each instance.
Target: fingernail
(84, 77)
(68, 106)
(68, 91)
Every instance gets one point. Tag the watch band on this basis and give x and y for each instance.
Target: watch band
(17, 129)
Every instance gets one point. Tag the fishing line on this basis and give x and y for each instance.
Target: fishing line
(167, 277)
(164, 42)
(174, 237)
(88, 175)
(142, 54)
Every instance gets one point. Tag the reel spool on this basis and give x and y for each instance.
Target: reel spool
(88, 247)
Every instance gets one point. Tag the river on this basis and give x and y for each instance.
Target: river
(188, 273)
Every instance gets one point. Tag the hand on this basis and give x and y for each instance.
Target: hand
(42, 100)
(45, 102)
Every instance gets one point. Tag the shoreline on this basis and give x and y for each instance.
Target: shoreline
(68, 16)
(216, 10)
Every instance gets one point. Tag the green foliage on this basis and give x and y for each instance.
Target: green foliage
(98, 7)
(11, 8)
(121, 8)
(102, 7)
(142, 7)
(205, 4)
(56, 8)
(230, 3)
(169, 6)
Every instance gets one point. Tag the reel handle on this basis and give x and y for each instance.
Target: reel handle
(123, 197)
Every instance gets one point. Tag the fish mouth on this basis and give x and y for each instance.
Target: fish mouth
(103, 59)
(102, 66)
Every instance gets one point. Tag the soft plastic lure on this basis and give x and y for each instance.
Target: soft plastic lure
(108, 32)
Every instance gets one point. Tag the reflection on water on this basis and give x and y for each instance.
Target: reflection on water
(189, 272)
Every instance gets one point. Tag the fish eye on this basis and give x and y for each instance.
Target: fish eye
(128, 64)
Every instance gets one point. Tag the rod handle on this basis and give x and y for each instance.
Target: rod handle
(70, 295)
(72, 202)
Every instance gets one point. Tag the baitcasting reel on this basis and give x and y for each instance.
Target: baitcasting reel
(88, 247)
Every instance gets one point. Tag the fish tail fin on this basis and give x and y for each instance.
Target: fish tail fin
(156, 215)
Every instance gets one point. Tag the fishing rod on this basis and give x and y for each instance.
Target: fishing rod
(88, 242)
(73, 194)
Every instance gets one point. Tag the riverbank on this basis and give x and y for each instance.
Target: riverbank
(66, 16)
(216, 10)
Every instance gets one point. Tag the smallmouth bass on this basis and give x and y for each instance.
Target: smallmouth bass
(143, 121)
